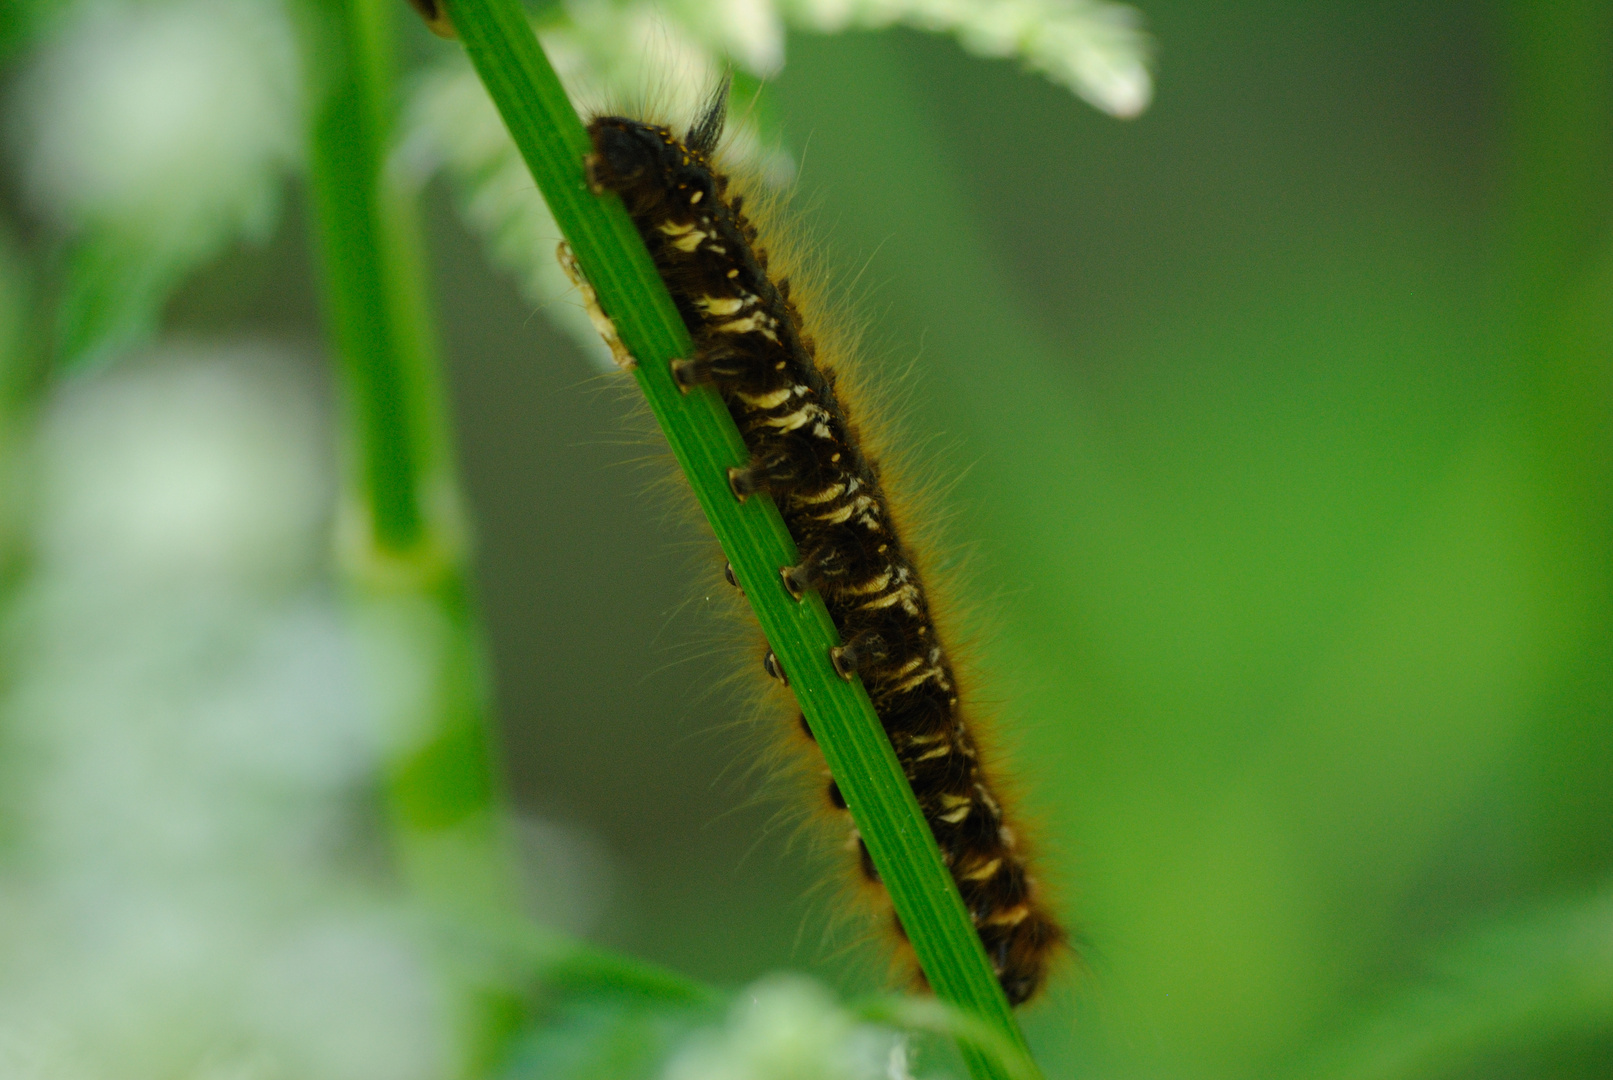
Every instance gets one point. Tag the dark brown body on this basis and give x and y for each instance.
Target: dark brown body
(749, 343)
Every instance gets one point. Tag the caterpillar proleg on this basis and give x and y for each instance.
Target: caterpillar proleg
(753, 347)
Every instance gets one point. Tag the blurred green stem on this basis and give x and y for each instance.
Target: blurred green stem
(401, 537)
(384, 355)
(19, 385)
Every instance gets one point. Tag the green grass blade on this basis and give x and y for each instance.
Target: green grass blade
(703, 437)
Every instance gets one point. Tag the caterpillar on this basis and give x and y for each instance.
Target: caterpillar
(805, 452)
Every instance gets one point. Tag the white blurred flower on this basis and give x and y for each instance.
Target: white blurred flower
(173, 984)
(368, 973)
(787, 1027)
(174, 119)
(186, 721)
(453, 124)
(1093, 47)
(635, 56)
(748, 32)
(184, 472)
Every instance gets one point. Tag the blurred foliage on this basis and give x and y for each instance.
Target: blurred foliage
(599, 1039)
(1532, 982)
(20, 21)
(147, 136)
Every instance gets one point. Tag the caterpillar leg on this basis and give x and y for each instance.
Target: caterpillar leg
(861, 651)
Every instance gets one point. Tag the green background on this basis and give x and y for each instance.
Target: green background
(1275, 425)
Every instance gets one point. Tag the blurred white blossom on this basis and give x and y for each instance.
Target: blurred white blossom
(206, 467)
(188, 729)
(748, 32)
(1095, 48)
(453, 125)
(788, 1027)
(174, 118)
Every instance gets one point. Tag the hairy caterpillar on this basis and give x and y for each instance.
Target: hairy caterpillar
(752, 346)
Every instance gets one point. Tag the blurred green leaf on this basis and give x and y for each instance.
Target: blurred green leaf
(113, 290)
(1527, 981)
(602, 1038)
(20, 21)
(542, 998)
(15, 294)
(18, 378)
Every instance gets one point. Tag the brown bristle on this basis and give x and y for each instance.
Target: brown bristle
(750, 344)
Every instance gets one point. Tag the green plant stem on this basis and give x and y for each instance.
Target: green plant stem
(703, 437)
(363, 291)
(401, 539)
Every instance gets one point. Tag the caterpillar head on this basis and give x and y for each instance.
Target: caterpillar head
(627, 151)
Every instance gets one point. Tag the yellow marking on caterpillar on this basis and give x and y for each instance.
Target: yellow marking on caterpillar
(771, 400)
(940, 751)
(688, 237)
(721, 305)
(919, 680)
(963, 805)
(983, 872)
(798, 418)
(903, 596)
(873, 586)
(842, 515)
(756, 320)
(1012, 917)
(833, 491)
(910, 667)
